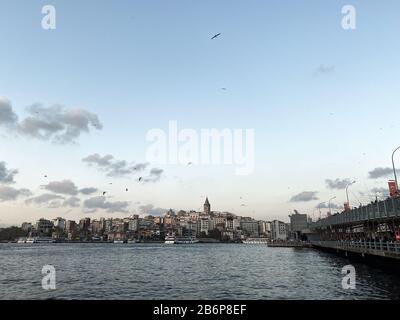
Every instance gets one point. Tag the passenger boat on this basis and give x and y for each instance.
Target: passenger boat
(30, 240)
(256, 241)
(44, 240)
(118, 241)
(170, 239)
(186, 240)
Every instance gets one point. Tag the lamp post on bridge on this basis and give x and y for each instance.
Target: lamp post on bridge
(394, 168)
(319, 209)
(329, 204)
(347, 192)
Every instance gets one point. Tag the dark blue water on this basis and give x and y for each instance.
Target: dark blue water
(200, 271)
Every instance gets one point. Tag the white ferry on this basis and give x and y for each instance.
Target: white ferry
(186, 240)
(133, 241)
(21, 240)
(44, 240)
(170, 239)
(30, 240)
(118, 241)
(256, 241)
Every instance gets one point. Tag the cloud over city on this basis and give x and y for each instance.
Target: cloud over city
(100, 202)
(53, 201)
(55, 123)
(113, 167)
(151, 210)
(7, 175)
(338, 184)
(380, 173)
(305, 196)
(9, 194)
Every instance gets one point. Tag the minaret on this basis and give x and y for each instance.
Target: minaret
(207, 207)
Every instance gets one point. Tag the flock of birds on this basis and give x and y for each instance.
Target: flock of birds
(189, 163)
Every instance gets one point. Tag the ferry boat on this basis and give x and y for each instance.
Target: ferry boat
(186, 240)
(170, 239)
(133, 241)
(118, 241)
(21, 240)
(30, 240)
(256, 241)
(44, 240)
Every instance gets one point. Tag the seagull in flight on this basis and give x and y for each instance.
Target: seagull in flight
(104, 193)
(216, 36)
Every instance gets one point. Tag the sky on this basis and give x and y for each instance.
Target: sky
(77, 103)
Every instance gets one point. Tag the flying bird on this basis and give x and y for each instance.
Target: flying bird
(104, 193)
(223, 89)
(45, 176)
(216, 36)
(126, 189)
(140, 179)
(190, 163)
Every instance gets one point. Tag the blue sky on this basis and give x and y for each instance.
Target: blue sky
(139, 64)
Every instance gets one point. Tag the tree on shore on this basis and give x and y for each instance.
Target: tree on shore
(12, 233)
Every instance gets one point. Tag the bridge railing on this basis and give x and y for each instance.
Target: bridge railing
(365, 245)
(388, 208)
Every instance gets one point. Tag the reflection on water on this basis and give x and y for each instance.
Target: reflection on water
(201, 271)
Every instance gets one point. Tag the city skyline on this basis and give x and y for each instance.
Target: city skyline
(75, 112)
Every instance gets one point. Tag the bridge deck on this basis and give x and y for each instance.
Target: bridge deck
(388, 209)
(375, 248)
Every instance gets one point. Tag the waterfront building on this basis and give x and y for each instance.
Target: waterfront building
(108, 225)
(159, 220)
(203, 226)
(102, 224)
(26, 226)
(278, 230)
(298, 223)
(84, 224)
(236, 223)
(229, 223)
(133, 225)
(250, 227)
(96, 227)
(59, 223)
(264, 228)
(170, 218)
(227, 235)
(70, 226)
(219, 220)
(194, 215)
(44, 226)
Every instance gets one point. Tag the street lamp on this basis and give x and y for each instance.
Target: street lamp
(329, 204)
(347, 192)
(394, 169)
(319, 208)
